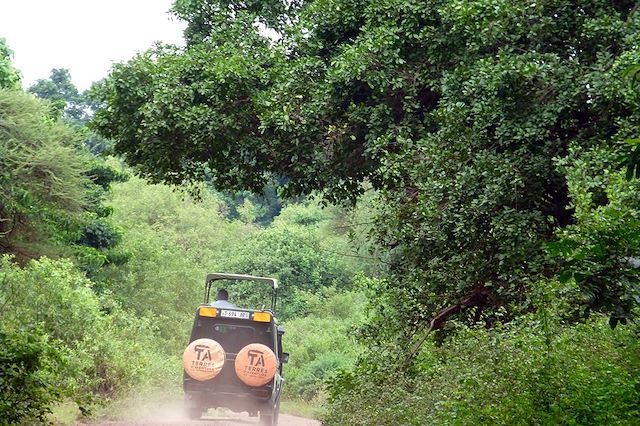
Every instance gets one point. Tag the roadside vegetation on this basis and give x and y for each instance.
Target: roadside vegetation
(97, 308)
(448, 192)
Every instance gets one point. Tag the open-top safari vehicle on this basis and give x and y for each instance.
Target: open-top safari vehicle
(234, 358)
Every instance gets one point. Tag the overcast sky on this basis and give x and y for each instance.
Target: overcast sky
(85, 36)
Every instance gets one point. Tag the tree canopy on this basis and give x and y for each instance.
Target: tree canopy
(44, 189)
(458, 112)
(62, 93)
(9, 76)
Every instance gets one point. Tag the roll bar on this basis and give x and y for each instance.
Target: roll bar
(213, 277)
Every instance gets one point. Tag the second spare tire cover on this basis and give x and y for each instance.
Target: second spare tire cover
(203, 359)
(256, 364)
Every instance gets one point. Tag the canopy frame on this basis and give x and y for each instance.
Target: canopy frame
(215, 276)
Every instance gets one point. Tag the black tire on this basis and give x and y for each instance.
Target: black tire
(194, 413)
(270, 416)
(266, 418)
(276, 414)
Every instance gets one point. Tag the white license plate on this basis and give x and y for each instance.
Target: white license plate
(234, 314)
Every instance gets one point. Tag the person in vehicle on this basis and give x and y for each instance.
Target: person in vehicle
(223, 300)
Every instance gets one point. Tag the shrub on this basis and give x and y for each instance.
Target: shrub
(27, 371)
(298, 253)
(106, 355)
(320, 342)
(530, 371)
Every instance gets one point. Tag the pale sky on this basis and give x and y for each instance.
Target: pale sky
(85, 36)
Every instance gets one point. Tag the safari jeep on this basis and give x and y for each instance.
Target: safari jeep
(234, 358)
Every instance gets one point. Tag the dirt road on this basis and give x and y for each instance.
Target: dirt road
(230, 419)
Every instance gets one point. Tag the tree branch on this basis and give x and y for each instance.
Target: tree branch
(478, 298)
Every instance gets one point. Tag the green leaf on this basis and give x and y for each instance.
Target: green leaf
(565, 277)
(630, 172)
(632, 72)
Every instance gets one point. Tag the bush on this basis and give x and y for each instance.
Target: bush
(531, 371)
(27, 368)
(106, 355)
(320, 342)
(171, 242)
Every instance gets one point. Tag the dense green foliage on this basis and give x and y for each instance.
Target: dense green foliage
(158, 223)
(492, 131)
(51, 188)
(63, 342)
(293, 250)
(492, 135)
(9, 76)
(41, 177)
(600, 249)
(531, 371)
(170, 244)
(321, 342)
(251, 207)
(57, 341)
(126, 328)
(26, 359)
(456, 110)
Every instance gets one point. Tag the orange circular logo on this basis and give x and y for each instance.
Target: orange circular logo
(203, 359)
(256, 364)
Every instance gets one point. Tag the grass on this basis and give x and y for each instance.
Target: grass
(64, 414)
(302, 408)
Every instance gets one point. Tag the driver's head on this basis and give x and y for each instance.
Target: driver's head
(223, 294)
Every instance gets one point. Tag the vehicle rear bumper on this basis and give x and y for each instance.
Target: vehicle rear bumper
(252, 400)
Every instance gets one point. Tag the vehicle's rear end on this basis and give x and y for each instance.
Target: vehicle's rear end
(234, 357)
(234, 333)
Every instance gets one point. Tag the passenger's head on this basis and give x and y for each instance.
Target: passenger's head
(223, 294)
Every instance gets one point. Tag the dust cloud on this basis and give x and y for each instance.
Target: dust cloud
(165, 411)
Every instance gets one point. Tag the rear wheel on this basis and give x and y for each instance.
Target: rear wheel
(192, 409)
(269, 417)
(194, 413)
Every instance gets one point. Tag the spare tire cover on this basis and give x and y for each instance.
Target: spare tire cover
(203, 359)
(256, 364)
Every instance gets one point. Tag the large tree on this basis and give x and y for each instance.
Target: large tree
(62, 93)
(51, 189)
(9, 76)
(43, 186)
(456, 111)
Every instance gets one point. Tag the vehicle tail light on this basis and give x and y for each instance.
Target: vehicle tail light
(262, 316)
(207, 311)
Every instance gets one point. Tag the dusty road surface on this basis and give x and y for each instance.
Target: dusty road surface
(225, 419)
